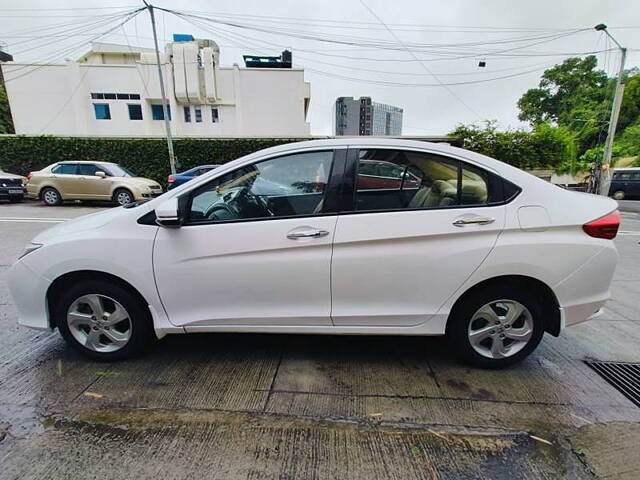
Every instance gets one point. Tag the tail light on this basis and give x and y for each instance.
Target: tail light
(603, 227)
(30, 175)
(171, 179)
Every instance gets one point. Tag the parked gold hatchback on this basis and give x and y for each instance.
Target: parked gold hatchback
(89, 181)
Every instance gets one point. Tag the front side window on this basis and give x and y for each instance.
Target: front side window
(396, 179)
(135, 111)
(157, 112)
(87, 169)
(102, 111)
(65, 169)
(286, 186)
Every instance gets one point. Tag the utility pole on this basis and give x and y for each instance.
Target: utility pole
(165, 107)
(605, 171)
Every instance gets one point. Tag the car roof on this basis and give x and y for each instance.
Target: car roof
(84, 162)
(627, 169)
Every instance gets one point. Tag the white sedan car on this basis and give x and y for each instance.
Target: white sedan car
(357, 236)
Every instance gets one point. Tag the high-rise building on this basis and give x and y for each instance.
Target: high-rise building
(364, 117)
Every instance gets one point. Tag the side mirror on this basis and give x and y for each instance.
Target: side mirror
(168, 213)
(100, 174)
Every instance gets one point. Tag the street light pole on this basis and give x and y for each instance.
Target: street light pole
(165, 107)
(605, 171)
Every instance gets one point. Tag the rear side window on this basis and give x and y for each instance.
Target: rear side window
(65, 169)
(397, 180)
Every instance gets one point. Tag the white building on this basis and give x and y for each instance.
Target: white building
(113, 90)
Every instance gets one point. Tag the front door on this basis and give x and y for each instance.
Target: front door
(93, 187)
(255, 249)
(406, 247)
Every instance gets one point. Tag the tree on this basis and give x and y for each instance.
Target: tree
(562, 89)
(630, 108)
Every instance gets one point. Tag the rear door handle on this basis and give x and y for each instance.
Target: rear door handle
(306, 232)
(475, 220)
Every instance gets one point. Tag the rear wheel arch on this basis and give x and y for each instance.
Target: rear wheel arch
(548, 300)
(44, 187)
(64, 281)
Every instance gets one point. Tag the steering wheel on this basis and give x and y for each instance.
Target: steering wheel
(259, 200)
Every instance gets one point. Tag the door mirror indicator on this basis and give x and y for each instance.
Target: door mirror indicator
(168, 214)
(100, 174)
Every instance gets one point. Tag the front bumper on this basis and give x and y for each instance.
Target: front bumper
(13, 191)
(29, 292)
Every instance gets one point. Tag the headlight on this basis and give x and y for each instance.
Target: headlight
(32, 247)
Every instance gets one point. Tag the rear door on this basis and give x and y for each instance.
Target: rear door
(66, 180)
(401, 251)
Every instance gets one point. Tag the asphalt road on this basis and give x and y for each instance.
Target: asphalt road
(275, 406)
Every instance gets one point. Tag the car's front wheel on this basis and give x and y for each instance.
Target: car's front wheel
(104, 320)
(496, 326)
(122, 197)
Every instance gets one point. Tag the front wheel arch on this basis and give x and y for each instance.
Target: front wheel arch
(548, 299)
(117, 190)
(64, 281)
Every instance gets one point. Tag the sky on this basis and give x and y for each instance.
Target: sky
(398, 52)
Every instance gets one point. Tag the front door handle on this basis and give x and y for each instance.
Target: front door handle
(306, 232)
(475, 220)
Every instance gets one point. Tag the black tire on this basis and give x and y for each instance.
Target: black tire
(142, 335)
(120, 194)
(461, 316)
(50, 196)
(619, 195)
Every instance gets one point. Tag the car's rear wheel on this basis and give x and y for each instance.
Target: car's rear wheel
(619, 195)
(496, 326)
(122, 197)
(50, 196)
(104, 321)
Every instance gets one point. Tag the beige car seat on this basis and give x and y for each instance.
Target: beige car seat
(441, 193)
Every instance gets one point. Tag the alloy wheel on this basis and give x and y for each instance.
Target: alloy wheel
(123, 198)
(500, 329)
(99, 323)
(50, 197)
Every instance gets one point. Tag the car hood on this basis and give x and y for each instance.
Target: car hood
(141, 182)
(10, 175)
(86, 222)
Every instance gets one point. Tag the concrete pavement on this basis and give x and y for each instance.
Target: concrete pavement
(287, 406)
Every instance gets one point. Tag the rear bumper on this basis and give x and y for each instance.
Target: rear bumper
(583, 293)
(29, 292)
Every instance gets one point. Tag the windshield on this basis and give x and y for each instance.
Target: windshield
(118, 171)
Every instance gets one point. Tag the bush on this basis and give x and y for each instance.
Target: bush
(146, 157)
(544, 147)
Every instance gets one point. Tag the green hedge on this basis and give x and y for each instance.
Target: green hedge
(146, 157)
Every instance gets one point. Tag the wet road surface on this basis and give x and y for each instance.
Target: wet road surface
(285, 406)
